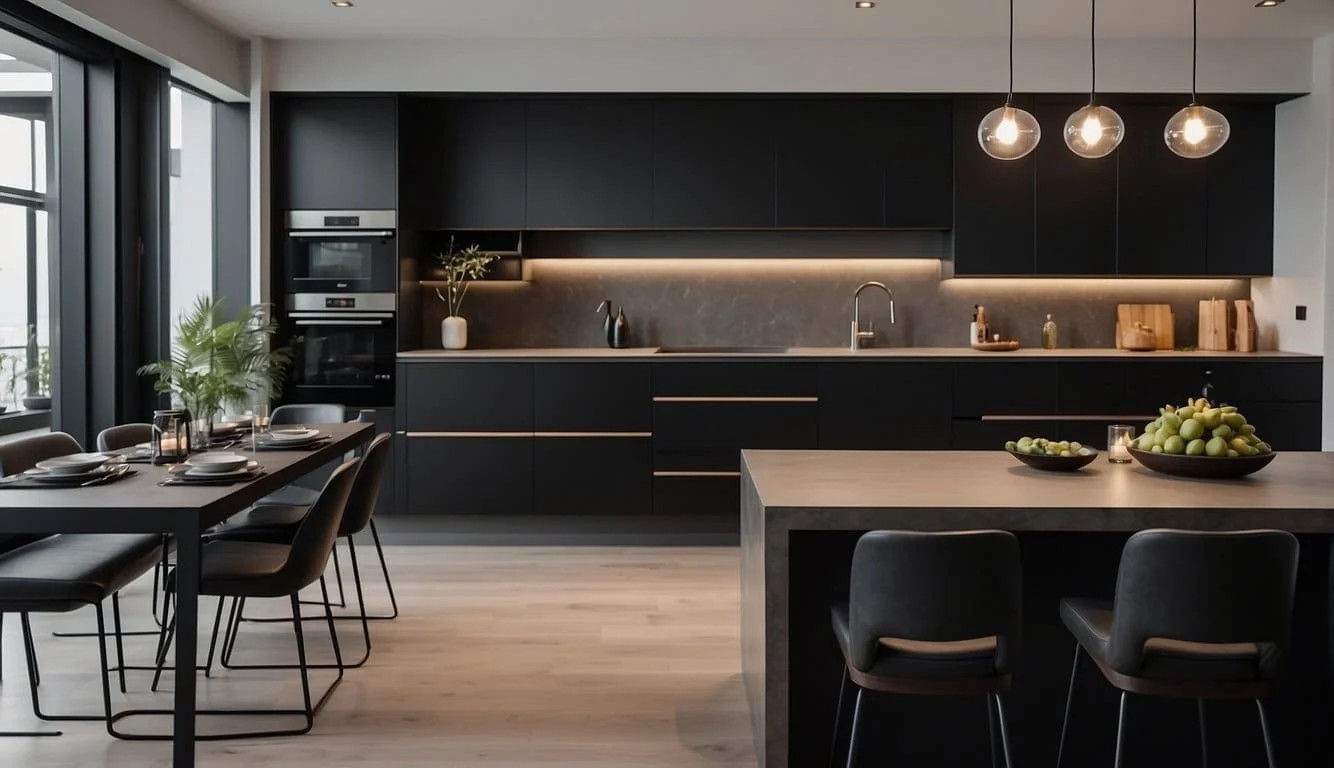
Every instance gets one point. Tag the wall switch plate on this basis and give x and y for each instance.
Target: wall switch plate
(1301, 311)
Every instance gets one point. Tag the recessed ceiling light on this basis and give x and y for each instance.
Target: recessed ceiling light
(863, 4)
(1268, 3)
(342, 3)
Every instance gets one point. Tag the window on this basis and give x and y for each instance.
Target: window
(191, 211)
(26, 90)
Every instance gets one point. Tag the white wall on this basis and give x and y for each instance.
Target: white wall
(196, 51)
(260, 173)
(946, 65)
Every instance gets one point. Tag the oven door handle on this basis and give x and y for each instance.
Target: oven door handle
(337, 316)
(343, 233)
(340, 322)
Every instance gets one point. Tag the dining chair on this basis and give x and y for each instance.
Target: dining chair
(65, 572)
(247, 569)
(934, 614)
(1196, 615)
(260, 524)
(117, 438)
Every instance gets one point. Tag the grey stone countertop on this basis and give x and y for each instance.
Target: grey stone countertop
(949, 490)
(837, 353)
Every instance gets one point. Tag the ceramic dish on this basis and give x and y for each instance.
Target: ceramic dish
(1210, 467)
(195, 473)
(1055, 463)
(46, 476)
(217, 462)
(293, 435)
(75, 463)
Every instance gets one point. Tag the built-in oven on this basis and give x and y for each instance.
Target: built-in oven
(343, 348)
(340, 252)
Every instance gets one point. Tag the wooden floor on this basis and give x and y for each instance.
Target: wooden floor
(502, 657)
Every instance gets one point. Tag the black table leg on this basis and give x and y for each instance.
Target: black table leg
(187, 637)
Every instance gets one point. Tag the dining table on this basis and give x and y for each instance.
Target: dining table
(139, 503)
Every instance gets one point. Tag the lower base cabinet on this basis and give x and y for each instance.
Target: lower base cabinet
(696, 494)
(468, 475)
(592, 475)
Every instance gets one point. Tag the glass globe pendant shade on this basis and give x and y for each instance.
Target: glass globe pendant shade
(1094, 131)
(1008, 133)
(1196, 131)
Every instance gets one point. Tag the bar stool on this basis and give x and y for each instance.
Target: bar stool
(934, 614)
(1196, 615)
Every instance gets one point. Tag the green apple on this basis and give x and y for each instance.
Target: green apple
(1216, 447)
(1195, 448)
(1223, 431)
(1174, 445)
(1191, 429)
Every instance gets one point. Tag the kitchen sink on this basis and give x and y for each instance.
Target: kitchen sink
(722, 350)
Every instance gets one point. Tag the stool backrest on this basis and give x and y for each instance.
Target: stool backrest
(1204, 587)
(935, 587)
(22, 455)
(314, 538)
(366, 487)
(124, 436)
(308, 413)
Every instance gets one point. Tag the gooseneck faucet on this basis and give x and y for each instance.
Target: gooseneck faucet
(866, 338)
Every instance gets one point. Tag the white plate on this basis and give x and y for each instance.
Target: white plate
(213, 463)
(74, 464)
(293, 435)
(194, 473)
(46, 476)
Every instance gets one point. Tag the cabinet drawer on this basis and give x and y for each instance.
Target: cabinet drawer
(698, 494)
(1286, 426)
(592, 475)
(1245, 383)
(469, 475)
(987, 389)
(884, 406)
(734, 379)
(731, 426)
(613, 397)
(467, 397)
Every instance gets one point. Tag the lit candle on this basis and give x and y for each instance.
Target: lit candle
(1119, 437)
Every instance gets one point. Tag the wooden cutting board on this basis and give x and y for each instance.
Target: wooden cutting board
(1246, 327)
(1216, 325)
(1156, 316)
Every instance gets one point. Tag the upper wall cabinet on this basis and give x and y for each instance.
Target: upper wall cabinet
(464, 163)
(1075, 200)
(919, 164)
(590, 164)
(1239, 195)
(993, 200)
(713, 164)
(339, 152)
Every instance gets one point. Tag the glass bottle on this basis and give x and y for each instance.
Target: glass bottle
(1049, 334)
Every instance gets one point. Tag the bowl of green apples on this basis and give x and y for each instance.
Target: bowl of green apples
(1051, 455)
(1202, 440)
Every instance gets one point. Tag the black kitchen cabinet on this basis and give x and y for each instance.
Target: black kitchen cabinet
(466, 163)
(590, 164)
(715, 379)
(467, 397)
(1075, 200)
(713, 164)
(1239, 228)
(919, 163)
(592, 397)
(686, 434)
(884, 406)
(1004, 389)
(830, 163)
(1290, 382)
(1286, 426)
(994, 200)
(592, 475)
(697, 495)
(469, 475)
(336, 152)
(1161, 204)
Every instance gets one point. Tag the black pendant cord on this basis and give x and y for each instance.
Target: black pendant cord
(1009, 97)
(1093, 51)
(1194, 46)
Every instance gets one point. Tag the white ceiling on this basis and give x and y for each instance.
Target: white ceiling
(318, 19)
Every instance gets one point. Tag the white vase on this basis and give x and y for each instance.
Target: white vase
(454, 333)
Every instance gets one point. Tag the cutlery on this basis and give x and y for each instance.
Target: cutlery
(108, 477)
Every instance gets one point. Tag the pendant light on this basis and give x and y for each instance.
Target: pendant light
(1093, 131)
(1008, 132)
(1196, 131)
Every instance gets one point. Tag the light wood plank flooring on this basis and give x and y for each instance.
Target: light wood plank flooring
(504, 656)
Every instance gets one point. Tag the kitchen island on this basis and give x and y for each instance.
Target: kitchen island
(802, 512)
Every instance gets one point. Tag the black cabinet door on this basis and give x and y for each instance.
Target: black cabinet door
(710, 379)
(1161, 202)
(713, 164)
(1289, 382)
(977, 435)
(830, 157)
(994, 200)
(465, 164)
(1286, 426)
(919, 164)
(467, 397)
(593, 475)
(469, 475)
(590, 164)
(697, 495)
(592, 397)
(1076, 200)
(884, 406)
(722, 429)
(1239, 228)
(1004, 389)
(336, 152)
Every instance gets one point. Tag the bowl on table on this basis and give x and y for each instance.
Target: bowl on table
(1209, 467)
(219, 463)
(1055, 463)
(73, 464)
(293, 435)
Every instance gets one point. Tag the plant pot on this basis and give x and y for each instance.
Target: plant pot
(454, 333)
(37, 403)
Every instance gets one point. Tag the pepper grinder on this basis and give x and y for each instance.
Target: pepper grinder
(617, 331)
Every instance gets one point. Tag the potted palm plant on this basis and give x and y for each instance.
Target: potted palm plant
(460, 268)
(39, 377)
(216, 362)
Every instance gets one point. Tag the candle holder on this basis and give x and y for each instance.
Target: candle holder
(171, 436)
(1119, 438)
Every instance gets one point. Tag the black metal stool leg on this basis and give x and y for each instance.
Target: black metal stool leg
(1264, 729)
(1204, 735)
(361, 604)
(991, 732)
(1004, 730)
(1121, 731)
(168, 633)
(838, 714)
(120, 645)
(384, 568)
(338, 574)
(213, 637)
(852, 735)
(1069, 700)
(301, 661)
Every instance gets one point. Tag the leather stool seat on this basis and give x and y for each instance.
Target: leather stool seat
(975, 658)
(289, 496)
(68, 571)
(270, 523)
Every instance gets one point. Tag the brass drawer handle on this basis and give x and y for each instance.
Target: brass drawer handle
(592, 434)
(1069, 417)
(682, 473)
(728, 399)
(469, 434)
